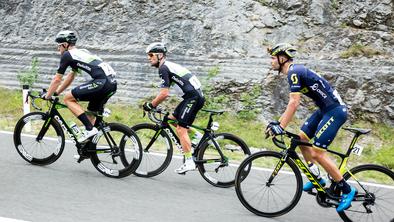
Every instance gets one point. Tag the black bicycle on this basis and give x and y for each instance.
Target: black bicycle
(217, 155)
(39, 139)
(269, 184)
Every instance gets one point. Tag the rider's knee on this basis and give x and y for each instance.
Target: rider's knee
(318, 154)
(69, 98)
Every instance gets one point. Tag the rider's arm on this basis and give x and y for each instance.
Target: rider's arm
(57, 79)
(67, 81)
(287, 116)
(164, 92)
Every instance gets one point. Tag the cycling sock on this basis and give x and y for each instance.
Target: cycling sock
(342, 185)
(188, 155)
(85, 121)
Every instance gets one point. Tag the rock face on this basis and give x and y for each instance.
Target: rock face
(201, 34)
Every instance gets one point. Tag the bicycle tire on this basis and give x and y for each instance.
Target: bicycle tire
(378, 181)
(211, 171)
(259, 167)
(38, 152)
(155, 160)
(122, 161)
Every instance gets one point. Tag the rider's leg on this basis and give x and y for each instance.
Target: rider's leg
(77, 110)
(185, 113)
(325, 134)
(184, 139)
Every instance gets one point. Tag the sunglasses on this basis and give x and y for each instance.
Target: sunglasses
(151, 54)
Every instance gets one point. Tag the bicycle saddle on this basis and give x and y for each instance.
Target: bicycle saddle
(357, 130)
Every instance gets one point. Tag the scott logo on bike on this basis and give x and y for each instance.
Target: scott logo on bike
(310, 177)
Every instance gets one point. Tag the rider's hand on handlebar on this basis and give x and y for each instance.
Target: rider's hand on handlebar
(148, 106)
(43, 95)
(274, 129)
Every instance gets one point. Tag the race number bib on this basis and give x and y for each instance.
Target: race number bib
(108, 70)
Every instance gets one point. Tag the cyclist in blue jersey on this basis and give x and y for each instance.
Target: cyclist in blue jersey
(321, 126)
(193, 99)
(97, 91)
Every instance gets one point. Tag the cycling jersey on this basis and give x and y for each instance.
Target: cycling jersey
(305, 81)
(173, 73)
(81, 59)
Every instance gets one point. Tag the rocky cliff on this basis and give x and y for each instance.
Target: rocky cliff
(350, 42)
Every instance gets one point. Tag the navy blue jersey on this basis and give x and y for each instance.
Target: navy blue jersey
(173, 73)
(306, 81)
(81, 59)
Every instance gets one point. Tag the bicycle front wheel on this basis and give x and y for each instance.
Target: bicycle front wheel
(264, 193)
(216, 170)
(37, 151)
(116, 151)
(157, 149)
(374, 200)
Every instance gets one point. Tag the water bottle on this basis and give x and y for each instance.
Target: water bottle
(75, 129)
(314, 169)
(196, 137)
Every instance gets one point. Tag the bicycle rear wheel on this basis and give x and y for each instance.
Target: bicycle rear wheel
(117, 152)
(39, 152)
(216, 170)
(258, 194)
(374, 200)
(156, 157)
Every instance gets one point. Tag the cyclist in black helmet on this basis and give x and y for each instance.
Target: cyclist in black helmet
(193, 99)
(321, 126)
(97, 91)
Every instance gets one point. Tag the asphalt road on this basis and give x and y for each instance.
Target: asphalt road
(69, 191)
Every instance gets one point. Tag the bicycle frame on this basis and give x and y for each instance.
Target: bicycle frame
(165, 125)
(54, 113)
(290, 152)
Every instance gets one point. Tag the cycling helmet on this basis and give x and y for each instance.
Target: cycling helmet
(283, 49)
(66, 36)
(156, 47)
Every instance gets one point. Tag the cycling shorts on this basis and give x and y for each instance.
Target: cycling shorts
(323, 127)
(186, 111)
(96, 91)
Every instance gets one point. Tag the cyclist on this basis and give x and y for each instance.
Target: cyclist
(97, 91)
(321, 126)
(193, 99)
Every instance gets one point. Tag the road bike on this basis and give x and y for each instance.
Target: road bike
(217, 155)
(269, 183)
(39, 139)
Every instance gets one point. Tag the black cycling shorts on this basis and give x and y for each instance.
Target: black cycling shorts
(187, 110)
(96, 91)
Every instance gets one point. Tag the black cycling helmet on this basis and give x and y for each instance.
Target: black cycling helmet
(66, 36)
(283, 49)
(156, 47)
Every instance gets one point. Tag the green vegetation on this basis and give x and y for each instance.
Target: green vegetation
(378, 145)
(360, 50)
(29, 77)
(334, 4)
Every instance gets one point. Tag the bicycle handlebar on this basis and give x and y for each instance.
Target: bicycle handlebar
(35, 97)
(152, 114)
(294, 139)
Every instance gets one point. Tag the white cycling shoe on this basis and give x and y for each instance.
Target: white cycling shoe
(87, 134)
(187, 166)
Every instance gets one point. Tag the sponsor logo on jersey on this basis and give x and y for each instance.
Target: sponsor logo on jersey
(179, 81)
(315, 87)
(84, 66)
